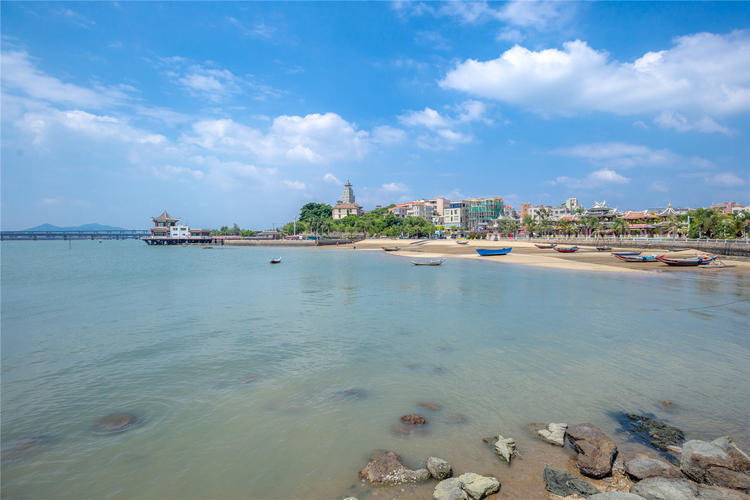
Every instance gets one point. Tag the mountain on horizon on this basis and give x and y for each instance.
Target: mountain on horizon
(85, 227)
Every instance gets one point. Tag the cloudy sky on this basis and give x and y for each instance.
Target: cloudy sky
(241, 112)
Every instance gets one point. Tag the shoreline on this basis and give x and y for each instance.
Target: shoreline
(525, 253)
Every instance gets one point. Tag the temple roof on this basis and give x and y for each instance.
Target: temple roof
(346, 205)
(165, 217)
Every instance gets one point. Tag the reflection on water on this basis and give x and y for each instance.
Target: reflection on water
(336, 346)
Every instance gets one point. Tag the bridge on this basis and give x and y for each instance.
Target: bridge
(122, 234)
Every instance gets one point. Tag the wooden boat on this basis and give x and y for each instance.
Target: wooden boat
(462, 242)
(545, 245)
(689, 261)
(637, 258)
(486, 252)
(428, 263)
(626, 254)
(566, 250)
(603, 249)
(391, 249)
(276, 261)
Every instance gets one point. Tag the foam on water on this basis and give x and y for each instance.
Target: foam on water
(342, 344)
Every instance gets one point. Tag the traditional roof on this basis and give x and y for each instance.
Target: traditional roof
(164, 217)
(639, 215)
(160, 229)
(346, 205)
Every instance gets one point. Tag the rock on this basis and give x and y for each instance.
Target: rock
(596, 451)
(439, 468)
(24, 447)
(252, 378)
(449, 489)
(477, 486)
(116, 422)
(661, 488)
(709, 463)
(554, 433)
(505, 448)
(429, 405)
(616, 495)
(656, 433)
(405, 430)
(389, 469)
(642, 468)
(413, 419)
(563, 484)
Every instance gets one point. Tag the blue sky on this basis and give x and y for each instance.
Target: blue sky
(241, 112)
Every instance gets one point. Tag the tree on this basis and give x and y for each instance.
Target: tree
(315, 211)
(507, 226)
(620, 226)
(703, 223)
(529, 224)
(740, 223)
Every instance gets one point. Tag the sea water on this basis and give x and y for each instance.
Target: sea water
(341, 344)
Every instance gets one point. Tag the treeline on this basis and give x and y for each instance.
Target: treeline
(232, 231)
(316, 218)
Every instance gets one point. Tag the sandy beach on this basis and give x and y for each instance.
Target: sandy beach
(587, 258)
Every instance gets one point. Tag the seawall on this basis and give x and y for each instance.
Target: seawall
(738, 248)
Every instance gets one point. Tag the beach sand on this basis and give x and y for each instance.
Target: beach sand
(587, 258)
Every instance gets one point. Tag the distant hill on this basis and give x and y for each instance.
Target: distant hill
(86, 227)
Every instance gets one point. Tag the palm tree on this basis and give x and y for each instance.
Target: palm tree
(620, 226)
(673, 225)
(528, 223)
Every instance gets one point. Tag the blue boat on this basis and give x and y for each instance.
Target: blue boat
(625, 254)
(484, 252)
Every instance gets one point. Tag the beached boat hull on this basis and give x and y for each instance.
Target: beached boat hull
(486, 252)
(625, 253)
(695, 261)
(464, 242)
(391, 249)
(566, 250)
(603, 249)
(637, 258)
(544, 246)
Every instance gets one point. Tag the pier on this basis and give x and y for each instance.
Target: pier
(122, 234)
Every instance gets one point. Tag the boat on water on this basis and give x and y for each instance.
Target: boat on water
(637, 258)
(436, 262)
(545, 245)
(566, 250)
(686, 261)
(391, 249)
(486, 252)
(625, 254)
(276, 261)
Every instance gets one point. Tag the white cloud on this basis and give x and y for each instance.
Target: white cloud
(295, 185)
(442, 126)
(171, 172)
(428, 117)
(726, 179)
(19, 74)
(509, 35)
(395, 187)
(331, 179)
(432, 39)
(659, 186)
(595, 179)
(618, 154)
(678, 122)
(387, 135)
(702, 73)
(258, 30)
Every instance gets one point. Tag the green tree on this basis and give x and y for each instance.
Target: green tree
(529, 224)
(703, 223)
(620, 226)
(507, 226)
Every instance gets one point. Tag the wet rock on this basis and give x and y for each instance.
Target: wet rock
(404, 430)
(449, 489)
(711, 463)
(477, 486)
(616, 495)
(349, 394)
(116, 422)
(505, 448)
(739, 458)
(455, 419)
(660, 488)
(642, 468)
(24, 447)
(666, 404)
(250, 379)
(413, 419)
(553, 433)
(439, 468)
(429, 405)
(563, 484)
(596, 451)
(654, 432)
(389, 469)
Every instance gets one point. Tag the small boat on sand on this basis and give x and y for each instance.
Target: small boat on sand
(462, 242)
(603, 248)
(686, 261)
(545, 245)
(566, 250)
(276, 261)
(436, 262)
(625, 254)
(637, 258)
(486, 252)
(391, 249)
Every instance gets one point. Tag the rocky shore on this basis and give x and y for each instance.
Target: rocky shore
(677, 469)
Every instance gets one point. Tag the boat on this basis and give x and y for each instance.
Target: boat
(603, 249)
(625, 254)
(566, 250)
(276, 261)
(637, 258)
(391, 249)
(486, 252)
(688, 261)
(545, 245)
(428, 262)
(462, 242)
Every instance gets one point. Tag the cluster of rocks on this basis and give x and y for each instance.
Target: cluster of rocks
(707, 470)
(387, 468)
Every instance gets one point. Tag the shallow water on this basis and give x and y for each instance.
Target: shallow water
(171, 334)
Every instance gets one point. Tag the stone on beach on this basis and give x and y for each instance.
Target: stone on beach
(413, 419)
(116, 422)
(449, 489)
(615, 495)
(389, 469)
(643, 468)
(505, 448)
(563, 484)
(477, 486)
(658, 434)
(596, 451)
(439, 468)
(661, 488)
(718, 463)
(553, 433)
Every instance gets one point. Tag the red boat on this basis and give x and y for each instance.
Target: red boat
(566, 250)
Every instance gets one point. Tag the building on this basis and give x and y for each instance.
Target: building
(484, 211)
(535, 212)
(525, 209)
(438, 205)
(456, 215)
(166, 231)
(567, 209)
(729, 207)
(413, 209)
(511, 213)
(347, 205)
